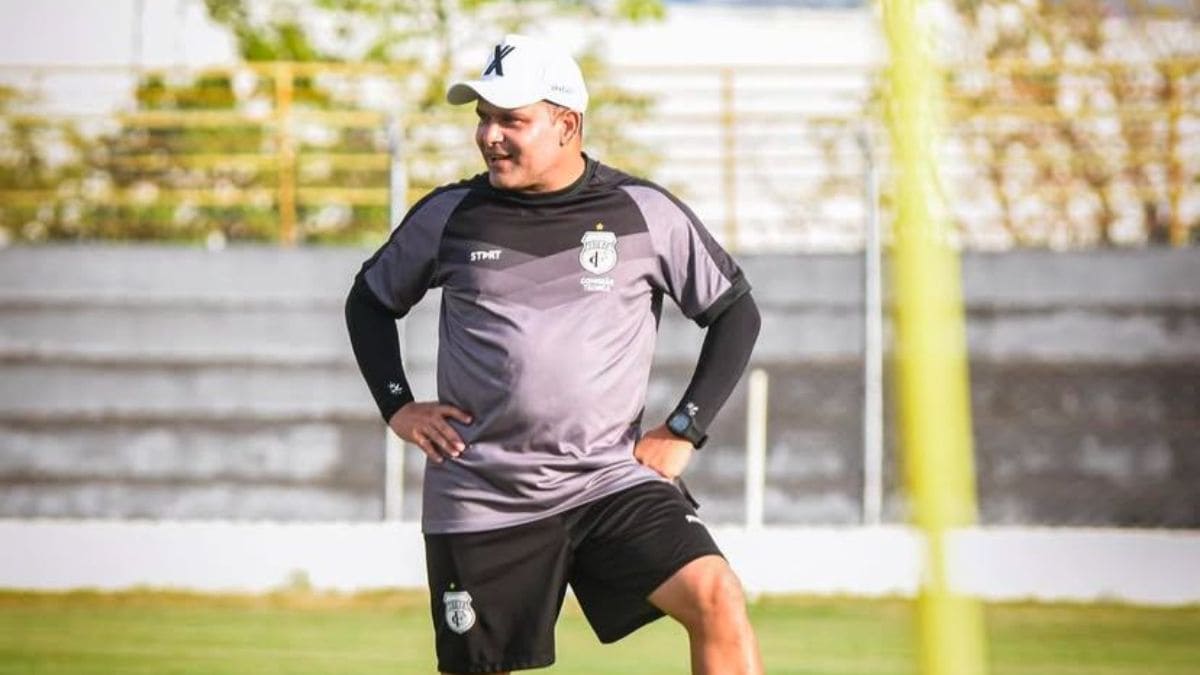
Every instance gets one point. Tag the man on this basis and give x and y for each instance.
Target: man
(553, 269)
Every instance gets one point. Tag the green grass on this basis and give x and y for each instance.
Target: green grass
(387, 632)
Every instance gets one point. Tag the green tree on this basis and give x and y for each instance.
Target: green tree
(153, 178)
(38, 159)
(423, 38)
(1076, 151)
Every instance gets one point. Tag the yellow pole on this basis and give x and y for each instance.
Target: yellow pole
(287, 154)
(930, 351)
(1178, 232)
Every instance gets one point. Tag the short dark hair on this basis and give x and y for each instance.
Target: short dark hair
(558, 110)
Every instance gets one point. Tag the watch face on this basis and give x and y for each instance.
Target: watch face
(679, 423)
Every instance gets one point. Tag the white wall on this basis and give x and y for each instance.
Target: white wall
(1159, 567)
(179, 31)
(72, 32)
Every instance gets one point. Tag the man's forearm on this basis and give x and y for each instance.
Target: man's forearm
(723, 358)
(376, 344)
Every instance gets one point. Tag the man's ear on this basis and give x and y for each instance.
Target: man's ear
(571, 123)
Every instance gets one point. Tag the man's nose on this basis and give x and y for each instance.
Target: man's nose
(490, 133)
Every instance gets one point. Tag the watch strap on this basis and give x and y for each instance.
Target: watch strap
(689, 432)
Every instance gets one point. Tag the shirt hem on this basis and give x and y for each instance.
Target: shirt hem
(464, 527)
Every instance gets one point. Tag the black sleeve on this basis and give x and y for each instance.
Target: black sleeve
(723, 358)
(376, 344)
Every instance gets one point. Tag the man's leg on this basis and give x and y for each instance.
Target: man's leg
(495, 596)
(706, 597)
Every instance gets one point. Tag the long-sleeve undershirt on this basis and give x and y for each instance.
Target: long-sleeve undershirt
(723, 358)
(376, 344)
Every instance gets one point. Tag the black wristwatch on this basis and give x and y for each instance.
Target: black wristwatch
(684, 426)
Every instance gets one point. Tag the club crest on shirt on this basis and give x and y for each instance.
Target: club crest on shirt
(599, 252)
(460, 616)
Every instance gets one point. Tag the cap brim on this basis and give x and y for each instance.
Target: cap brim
(497, 92)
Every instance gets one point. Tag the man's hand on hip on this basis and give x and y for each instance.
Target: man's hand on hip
(664, 452)
(424, 425)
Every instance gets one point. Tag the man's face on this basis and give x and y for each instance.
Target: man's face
(520, 146)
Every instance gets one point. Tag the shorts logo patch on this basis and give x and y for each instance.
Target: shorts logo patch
(460, 616)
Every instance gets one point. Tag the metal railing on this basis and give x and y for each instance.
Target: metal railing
(767, 155)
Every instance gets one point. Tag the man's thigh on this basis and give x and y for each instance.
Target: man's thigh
(495, 596)
(627, 545)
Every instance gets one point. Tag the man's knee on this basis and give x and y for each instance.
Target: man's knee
(705, 591)
(719, 592)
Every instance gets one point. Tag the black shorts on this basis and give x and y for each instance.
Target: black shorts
(495, 596)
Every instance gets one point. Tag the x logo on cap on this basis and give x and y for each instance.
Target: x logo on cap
(497, 58)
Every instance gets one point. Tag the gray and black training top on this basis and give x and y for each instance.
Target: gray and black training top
(550, 306)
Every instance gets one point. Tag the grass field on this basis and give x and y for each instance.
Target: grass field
(298, 632)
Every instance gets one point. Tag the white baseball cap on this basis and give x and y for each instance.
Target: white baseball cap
(523, 70)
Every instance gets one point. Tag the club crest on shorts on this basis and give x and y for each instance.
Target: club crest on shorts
(599, 253)
(460, 616)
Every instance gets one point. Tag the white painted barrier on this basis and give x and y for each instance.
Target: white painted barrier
(1139, 566)
(208, 555)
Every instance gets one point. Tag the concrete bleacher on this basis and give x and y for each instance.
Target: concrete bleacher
(179, 383)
